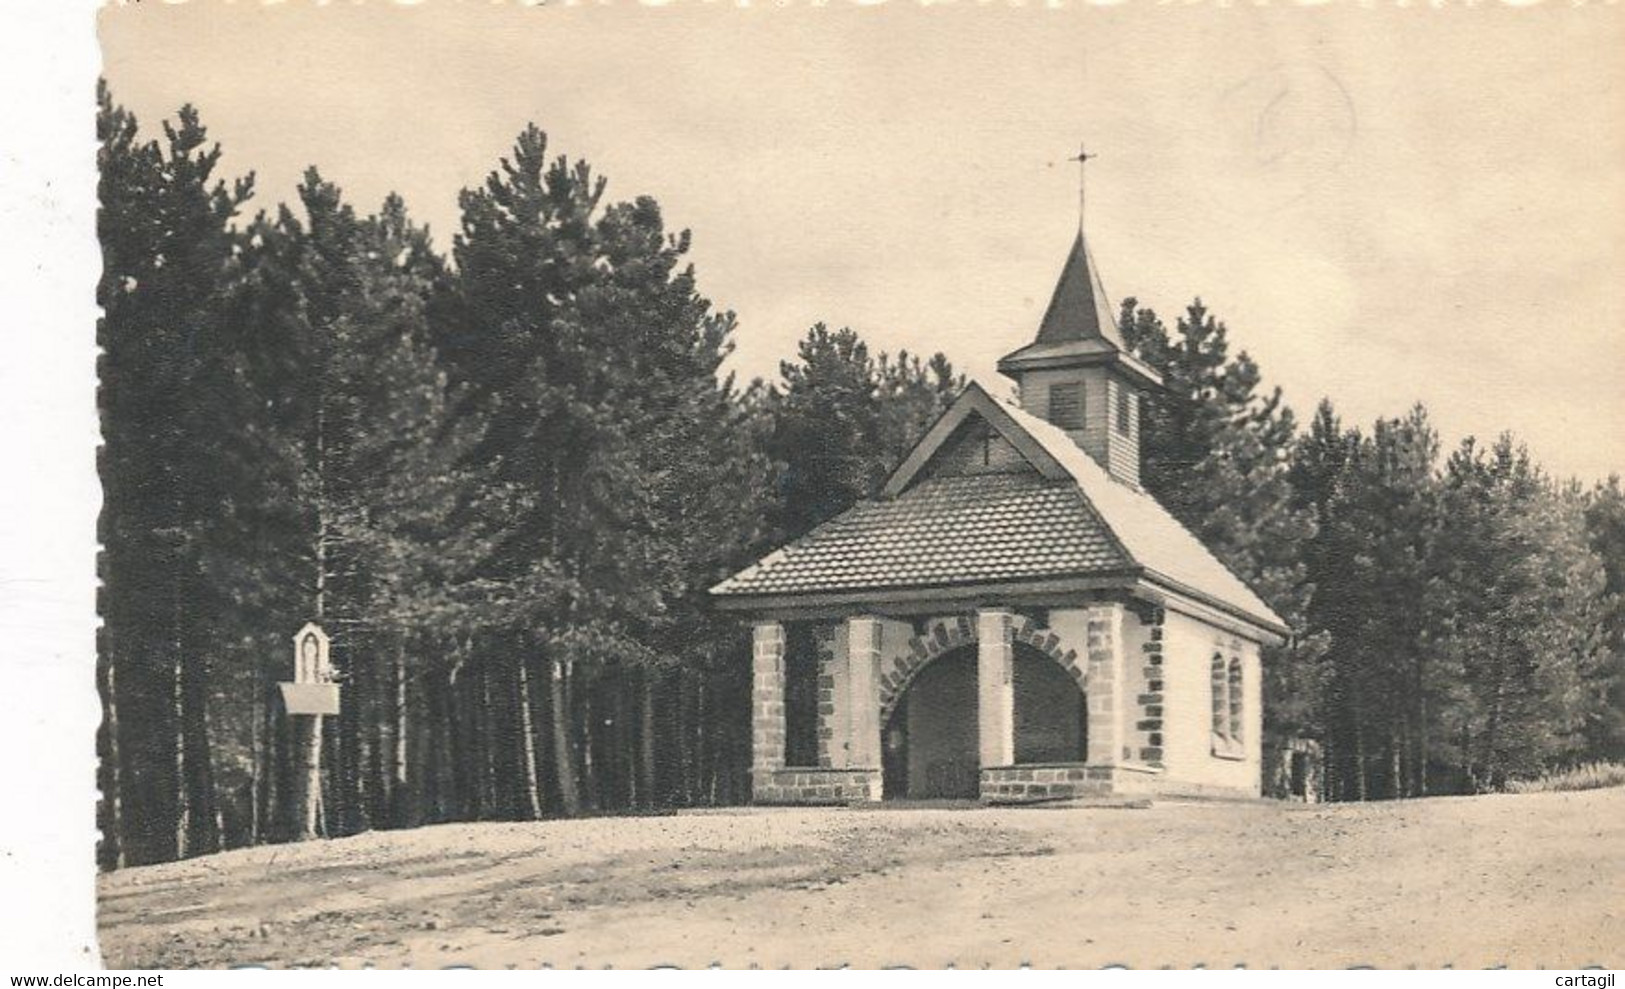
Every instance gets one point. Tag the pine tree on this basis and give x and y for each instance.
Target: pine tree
(585, 342)
(912, 394)
(1605, 720)
(826, 428)
(703, 482)
(1383, 524)
(1319, 460)
(842, 420)
(167, 410)
(371, 459)
(1523, 620)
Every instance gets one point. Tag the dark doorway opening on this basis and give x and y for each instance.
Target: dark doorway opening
(1052, 719)
(931, 746)
(800, 694)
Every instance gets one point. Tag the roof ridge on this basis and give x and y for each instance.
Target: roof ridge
(1052, 437)
(1146, 493)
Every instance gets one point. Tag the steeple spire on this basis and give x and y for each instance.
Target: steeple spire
(1080, 309)
(1078, 373)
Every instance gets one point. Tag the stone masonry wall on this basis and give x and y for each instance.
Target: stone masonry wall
(1025, 784)
(951, 633)
(816, 786)
(1104, 684)
(767, 703)
(831, 713)
(1147, 736)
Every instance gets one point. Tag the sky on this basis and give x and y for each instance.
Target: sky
(1384, 205)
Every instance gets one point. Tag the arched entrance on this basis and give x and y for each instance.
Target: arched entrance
(930, 741)
(1052, 718)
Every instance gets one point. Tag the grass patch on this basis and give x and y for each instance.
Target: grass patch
(1590, 776)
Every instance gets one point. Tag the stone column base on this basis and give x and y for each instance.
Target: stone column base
(815, 786)
(1064, 781)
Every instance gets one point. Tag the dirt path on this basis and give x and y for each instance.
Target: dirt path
(1525, 881)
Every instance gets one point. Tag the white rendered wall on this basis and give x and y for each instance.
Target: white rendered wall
(1188, 748)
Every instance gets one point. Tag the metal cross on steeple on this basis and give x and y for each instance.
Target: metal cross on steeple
(1082, 158)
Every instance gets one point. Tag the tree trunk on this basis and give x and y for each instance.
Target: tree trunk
(627, 699)
(582, 700)
(1470, 769)
(353, 738)
(1396, 760)
(373, 726)
(334, 787)
(646, 738)
(270, 789)
(112, 855)
(466, 762)
(1360, 783)
(434, 738)
(183, 810)
(400, 811)
(563, 754)
(460, 802)
(626, 744)
(307, 780)
(702, 745)
(285, 770)
(493, 805)
(330, 779)
(204, 809)
(1421, 732)
(309, 807)
(618, 749)
(532, 792)
(687, 749)
(256, 755)
(1492, 761)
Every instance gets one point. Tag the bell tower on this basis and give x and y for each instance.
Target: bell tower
(1079, 374)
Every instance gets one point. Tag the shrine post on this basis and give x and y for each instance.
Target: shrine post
(310, 696)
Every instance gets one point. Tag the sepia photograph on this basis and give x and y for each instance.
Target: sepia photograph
(815, 485)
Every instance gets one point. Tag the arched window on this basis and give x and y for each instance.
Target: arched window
(1221, 701)
(1234, 691)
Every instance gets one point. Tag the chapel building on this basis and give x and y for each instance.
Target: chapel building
(1013, 618)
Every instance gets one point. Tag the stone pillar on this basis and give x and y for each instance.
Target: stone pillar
(766, 704)
(1149, 703)
(1105, 685)
(834, 731)
(863, 694)
(995, 687)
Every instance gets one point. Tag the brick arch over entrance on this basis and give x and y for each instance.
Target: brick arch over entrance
(944, 636)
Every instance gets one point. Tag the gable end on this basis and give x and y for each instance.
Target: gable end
(975, 448)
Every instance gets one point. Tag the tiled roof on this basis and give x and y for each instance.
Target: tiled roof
(943, 531)
(1069, 519)
(1151, 535)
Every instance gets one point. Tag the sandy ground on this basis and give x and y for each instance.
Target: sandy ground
(1521, 881)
